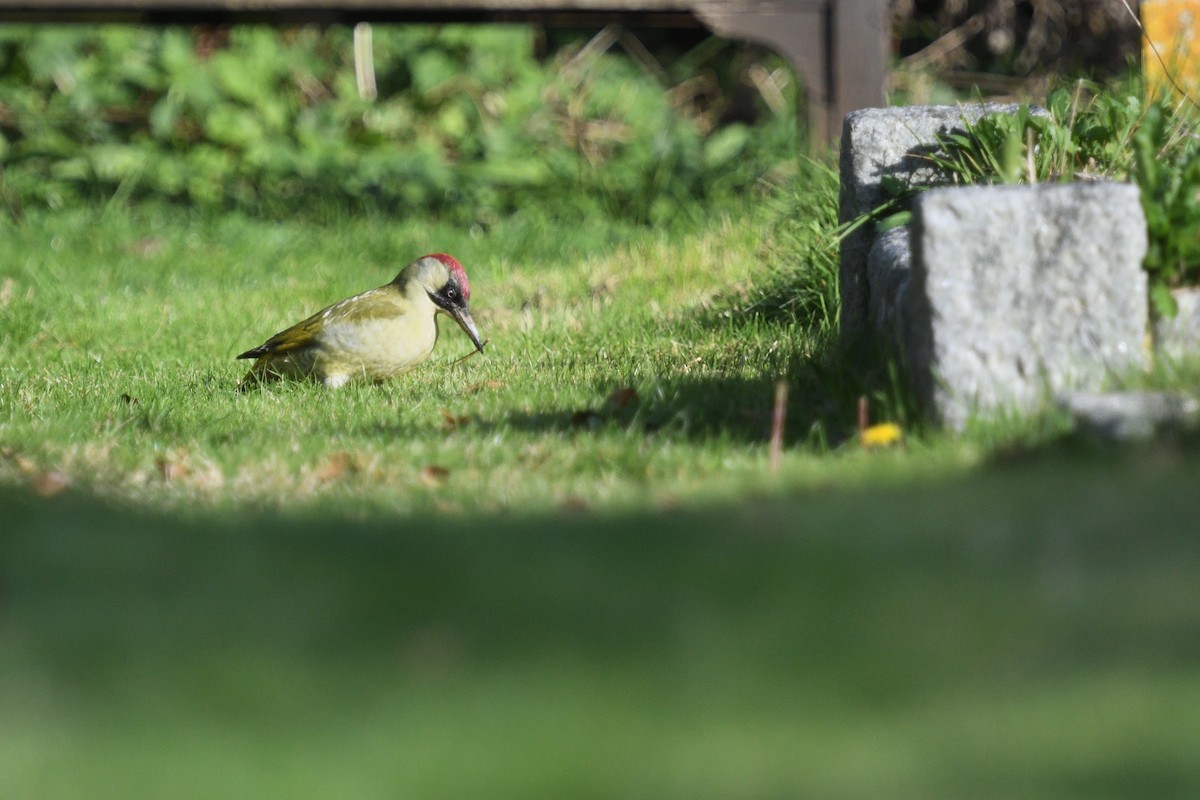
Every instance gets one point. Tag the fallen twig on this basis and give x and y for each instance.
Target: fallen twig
(778, 417)
(460, 359)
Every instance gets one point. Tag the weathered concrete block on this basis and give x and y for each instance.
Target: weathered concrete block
(879, 143)
(1178, 338)
(1130, 416)
(889, 267)
(1020, 290)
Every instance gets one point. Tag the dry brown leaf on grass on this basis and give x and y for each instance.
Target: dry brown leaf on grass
(434, 476)
(592, 418)
(24, 464)
(42, 482)
(475, 388)
(575, 503)
(450, 422)
(172, 467)
(337, 465)
(50, 483)
(622, 397)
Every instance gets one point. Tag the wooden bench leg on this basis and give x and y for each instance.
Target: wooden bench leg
(838, 52)
(860, 58)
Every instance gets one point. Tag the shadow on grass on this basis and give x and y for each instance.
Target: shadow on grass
(795, 298)
(818, 414)
(591, 583)
(931, 633)
(824, 389)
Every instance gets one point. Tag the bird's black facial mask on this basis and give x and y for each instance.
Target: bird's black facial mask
(449, 299)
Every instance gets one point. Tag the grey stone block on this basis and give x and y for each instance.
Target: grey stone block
(889, 267)
(1130, 416)
(1178, 338)
(878, 143)
(1020, 290)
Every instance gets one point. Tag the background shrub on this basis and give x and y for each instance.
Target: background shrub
(466, 121)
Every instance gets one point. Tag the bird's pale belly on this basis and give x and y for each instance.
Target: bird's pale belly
(371, 350)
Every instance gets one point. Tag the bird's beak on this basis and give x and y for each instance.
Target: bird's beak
(464, 320)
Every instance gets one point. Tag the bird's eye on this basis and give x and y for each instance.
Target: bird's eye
(451, 293)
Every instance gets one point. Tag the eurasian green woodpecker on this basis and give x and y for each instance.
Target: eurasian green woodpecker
(373, 336)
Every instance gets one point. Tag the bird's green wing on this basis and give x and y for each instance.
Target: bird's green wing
(374, 304)
(301, 335)
(382, 303)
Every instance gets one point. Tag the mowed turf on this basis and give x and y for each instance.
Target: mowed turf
(566, 567)
(627, 367)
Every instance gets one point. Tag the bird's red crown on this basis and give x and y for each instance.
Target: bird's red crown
(457, 272)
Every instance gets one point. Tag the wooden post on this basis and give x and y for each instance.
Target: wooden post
(837, 48)
(860, 42)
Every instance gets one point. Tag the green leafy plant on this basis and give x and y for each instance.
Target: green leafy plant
(462, 121)
(1089, 133)
(1168, 173)
(995, 149)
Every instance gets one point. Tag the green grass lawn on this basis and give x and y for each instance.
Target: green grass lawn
(627, 367)
(512, 577)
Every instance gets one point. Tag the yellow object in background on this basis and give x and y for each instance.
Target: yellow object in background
(881, 435)
(1171, 49)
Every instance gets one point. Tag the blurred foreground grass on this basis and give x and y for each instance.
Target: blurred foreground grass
(1026, 631)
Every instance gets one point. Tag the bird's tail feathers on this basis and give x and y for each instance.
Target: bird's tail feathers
(256, 352)
(260, 373)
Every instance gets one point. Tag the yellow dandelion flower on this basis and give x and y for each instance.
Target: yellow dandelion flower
(881, 435)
